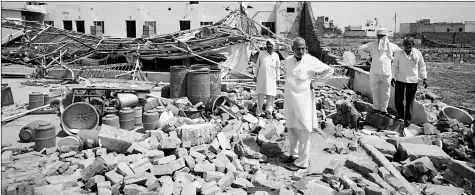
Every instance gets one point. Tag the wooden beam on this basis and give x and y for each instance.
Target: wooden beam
(8, 119)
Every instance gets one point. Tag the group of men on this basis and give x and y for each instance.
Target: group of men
(302, 72)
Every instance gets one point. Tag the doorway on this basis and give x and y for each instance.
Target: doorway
(131, 28)
(184, 25)
(80, 27)
(68, 24)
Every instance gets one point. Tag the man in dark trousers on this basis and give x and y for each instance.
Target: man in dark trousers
(407, 68)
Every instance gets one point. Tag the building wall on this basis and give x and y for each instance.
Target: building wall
(287, 24)
(11, 14)
(166, 14)
(453, 27)
(469, 26)
(405, 27)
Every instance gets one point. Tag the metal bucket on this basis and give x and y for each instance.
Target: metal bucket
(36, 100)
(110, 110)
(198, 86)
(111, 120)
(126, 100)
(45, 136)
(78, 116)
(70, 143)
(150, 120)
(178, 75)
(456, 113)
(138, 115)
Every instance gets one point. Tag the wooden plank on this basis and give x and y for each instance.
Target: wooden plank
(8, 119)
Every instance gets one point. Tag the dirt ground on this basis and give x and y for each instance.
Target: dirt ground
(454, 83)
(20, 93)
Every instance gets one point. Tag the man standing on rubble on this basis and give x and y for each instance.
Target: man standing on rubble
(382, 52)
(408, 67)
(302, 72)
(267, 73)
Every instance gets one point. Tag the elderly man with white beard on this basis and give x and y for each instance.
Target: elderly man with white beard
(302, 73)
(382, 52)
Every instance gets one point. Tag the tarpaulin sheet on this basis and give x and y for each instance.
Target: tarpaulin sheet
(238, 60)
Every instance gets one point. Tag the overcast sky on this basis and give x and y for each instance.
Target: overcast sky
(356, 13)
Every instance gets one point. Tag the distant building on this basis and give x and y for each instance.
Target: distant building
(143, 19)
(27, 11)
(424, 25)
(325, 25)
(369, 29)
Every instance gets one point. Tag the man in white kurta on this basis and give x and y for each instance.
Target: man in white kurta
(382, 52)
(267, 73)
(302, 72)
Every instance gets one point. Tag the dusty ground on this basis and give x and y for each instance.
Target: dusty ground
(20, 93)
(453, 82)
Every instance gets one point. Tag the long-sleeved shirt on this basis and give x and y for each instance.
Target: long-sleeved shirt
(379, 65)
(407, 68)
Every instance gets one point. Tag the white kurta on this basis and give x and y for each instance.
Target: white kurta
(299, 106)
(267, 70)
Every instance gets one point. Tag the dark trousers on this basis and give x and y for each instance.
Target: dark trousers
(407, 90)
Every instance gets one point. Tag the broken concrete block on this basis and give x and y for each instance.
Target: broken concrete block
(188, 188)
(358, 191)
(101, 151)
(139, 178)
(240, 182)
(104, 184)
(143, 168)
(442, 190)
(363, 167)
(223, 157)
(460, 174)
(200, 148)
(380, 144)
(139, 163)
(134, 189)
(124, 169)
(93, 181)
(114, 177)
(214, 146)
(414, 151)
(347, 182)
(164, 160)
(374, 177)
(198, 134)
(237, 164)
(201, 168)
(97, 166)
(316, 188)
(181, 152)
(220, 167)
(226, 180)
(379, 120)
(384, 173)
(197, 155)
(418, 167)
(259, 177)
(212, 176)
(396, 184)
(211, 190)
(369, 190)
(223, 141)
(58, 179)
(430, 129)
(190, 162)
(170, 143)
(333, 168)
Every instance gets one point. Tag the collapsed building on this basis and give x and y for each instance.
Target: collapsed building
(127, 133)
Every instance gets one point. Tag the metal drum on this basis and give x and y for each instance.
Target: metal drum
(46, 99)
(215, 82)
(45, 136)
(126, 100)
(27, 133)
(150, 120)
(138, 115)
(70, 143)
(111, 120)
(178, 81)
(78, 116)
(198, 86)
(36, 100)
(127, 118)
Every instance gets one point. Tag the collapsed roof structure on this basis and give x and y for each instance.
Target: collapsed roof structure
(48, 46)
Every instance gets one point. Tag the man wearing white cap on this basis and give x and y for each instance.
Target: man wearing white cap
(267, 72)
(381, 52)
